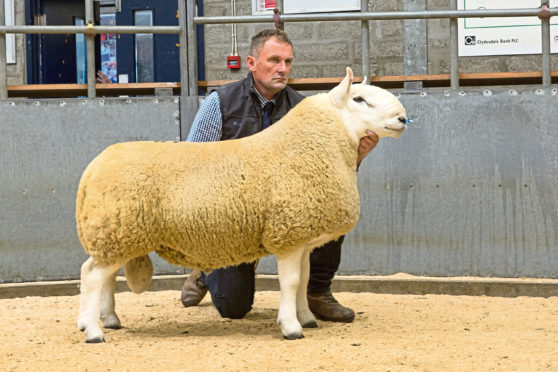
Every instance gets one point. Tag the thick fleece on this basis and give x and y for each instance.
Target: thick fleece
(210, 205)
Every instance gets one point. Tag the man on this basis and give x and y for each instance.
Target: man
(241, 109)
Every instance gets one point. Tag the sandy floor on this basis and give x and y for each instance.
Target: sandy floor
(390, 333)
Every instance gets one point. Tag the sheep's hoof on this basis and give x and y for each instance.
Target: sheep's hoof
(112, 322)
(113, 326)
(82, 325)
(94, 337)
(293, 336)
(311, 324)
(95, 340)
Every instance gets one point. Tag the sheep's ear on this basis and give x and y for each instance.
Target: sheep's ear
(339, 93)
(363, 81)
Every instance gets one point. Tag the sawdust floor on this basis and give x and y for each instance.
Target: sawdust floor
(390, 333)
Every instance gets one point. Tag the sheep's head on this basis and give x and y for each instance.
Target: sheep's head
(365, 107)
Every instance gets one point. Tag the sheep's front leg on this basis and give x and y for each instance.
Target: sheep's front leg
(289, 268)
(95, 287)
(303, 313)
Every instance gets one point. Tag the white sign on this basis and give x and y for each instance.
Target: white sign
(305, 6)
(263, 6)
(502, 35)
(10, 38)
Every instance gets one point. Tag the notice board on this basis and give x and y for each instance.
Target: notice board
(305, 6)
(503, 35)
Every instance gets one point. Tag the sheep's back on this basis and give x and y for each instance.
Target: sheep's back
(192, 202)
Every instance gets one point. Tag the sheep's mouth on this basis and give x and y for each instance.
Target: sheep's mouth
(396, 129)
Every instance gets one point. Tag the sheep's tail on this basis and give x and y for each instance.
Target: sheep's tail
(138, 272)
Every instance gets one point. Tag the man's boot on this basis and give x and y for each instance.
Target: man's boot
(194, 289)
(325, 307)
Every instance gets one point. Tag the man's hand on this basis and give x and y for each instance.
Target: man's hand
(367, 144)
(102, 78)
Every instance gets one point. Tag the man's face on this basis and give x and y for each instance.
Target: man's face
(271, 68)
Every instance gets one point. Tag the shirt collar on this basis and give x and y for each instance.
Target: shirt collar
(262, 99)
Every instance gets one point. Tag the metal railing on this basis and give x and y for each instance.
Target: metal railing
(187, 23)
(544, 13)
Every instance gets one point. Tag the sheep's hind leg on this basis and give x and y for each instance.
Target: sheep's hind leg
(303, 313)
(289, 268)
(95, 287)
(86, 267)
(108, 315)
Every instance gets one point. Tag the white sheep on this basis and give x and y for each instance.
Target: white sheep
(283, 191)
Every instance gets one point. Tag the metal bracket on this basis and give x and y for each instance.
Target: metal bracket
(90, 28)
(276, 19)
(544, 13)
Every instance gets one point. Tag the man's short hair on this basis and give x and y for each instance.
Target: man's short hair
(261, 37)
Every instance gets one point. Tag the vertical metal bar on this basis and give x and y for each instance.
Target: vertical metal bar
(365, 43)
(546, 68)
(188, 66)
(185, 116)
(280, 7)
(183, 51)
(90, 48)
(191, 45)
(545, 44)
(277, 13)
(454, 55)
(3, 59)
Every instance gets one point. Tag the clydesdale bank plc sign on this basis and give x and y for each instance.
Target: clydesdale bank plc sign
(503, 35)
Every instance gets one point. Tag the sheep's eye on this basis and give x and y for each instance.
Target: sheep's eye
(358, 99)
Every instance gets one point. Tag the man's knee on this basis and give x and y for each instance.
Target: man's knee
(232, 290)
(235, 308)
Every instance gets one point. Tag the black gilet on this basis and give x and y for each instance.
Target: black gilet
(241, 110)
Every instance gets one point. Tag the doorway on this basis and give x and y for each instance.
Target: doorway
(57, 58)
(143, 58)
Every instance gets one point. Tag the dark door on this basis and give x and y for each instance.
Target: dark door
(57, 58)
(148, 57)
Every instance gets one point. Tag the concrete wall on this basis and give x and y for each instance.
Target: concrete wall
(44, 147)
(470, 189)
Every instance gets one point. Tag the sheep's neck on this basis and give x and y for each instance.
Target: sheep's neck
(314, 124)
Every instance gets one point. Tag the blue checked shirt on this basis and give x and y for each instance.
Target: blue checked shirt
(208, 123)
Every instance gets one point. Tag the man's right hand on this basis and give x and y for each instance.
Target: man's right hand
(367, 144)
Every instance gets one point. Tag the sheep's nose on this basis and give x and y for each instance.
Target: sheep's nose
(402, 119)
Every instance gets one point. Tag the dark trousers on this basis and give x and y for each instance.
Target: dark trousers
(232, 288)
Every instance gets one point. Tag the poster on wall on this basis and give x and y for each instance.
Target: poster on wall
(305, 6)
(491, 36)
(9, 17)
(108, 49)
(263, 6)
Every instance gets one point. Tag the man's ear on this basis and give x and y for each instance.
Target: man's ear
(340, 93)
(251, 62)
